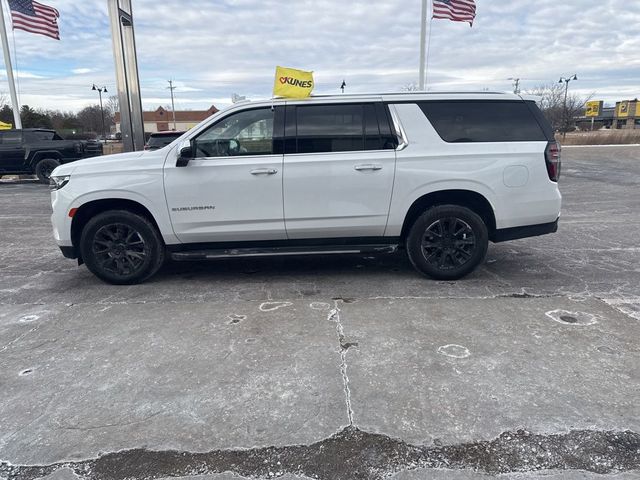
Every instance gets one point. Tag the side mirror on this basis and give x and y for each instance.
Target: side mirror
(185, 153)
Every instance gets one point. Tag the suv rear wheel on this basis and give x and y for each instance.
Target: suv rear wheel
(447, 242)
(121, 247)
(44, 168)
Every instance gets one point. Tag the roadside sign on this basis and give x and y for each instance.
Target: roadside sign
(593, 108)
(622, 109)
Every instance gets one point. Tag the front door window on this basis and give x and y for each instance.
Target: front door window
(249, 132)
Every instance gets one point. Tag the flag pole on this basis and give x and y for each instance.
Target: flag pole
(426, 74)
(423, 40)
(9, 68)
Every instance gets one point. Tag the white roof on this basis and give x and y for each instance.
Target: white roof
(392, 97)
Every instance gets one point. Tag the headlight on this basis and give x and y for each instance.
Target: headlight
(56, 182)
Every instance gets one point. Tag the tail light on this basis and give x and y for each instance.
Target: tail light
(552, 158)
(147, 147)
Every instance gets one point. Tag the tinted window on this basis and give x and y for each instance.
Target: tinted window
(159, 141)
(337, 128)
(330, 128)
(483, 121)
(249, 132)
(11, 138)
(38, 136)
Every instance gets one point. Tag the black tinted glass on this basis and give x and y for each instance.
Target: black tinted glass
(11, 137)
(330, 128)
(38, 136)
(483, 121)
(160, 141)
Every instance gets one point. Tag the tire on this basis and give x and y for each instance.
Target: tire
(104, 242)
(447, 242)
(44, 168)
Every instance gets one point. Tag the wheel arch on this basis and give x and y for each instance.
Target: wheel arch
(41, 155)
(474, 201)
(92, 208)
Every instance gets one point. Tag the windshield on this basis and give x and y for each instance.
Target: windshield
(159, 141)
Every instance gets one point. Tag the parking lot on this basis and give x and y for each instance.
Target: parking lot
(337, 367)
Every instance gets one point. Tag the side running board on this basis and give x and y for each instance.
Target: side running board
(280, 251)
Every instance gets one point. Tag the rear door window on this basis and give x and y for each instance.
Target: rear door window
(470, 121)
(38, 136)
(330, 128)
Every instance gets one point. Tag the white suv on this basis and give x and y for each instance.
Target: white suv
(436, 174)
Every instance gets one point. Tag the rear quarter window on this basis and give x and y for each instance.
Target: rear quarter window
(464, 121)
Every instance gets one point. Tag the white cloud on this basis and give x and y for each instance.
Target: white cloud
(213, 49)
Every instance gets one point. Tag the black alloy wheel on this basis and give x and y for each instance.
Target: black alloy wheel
(447, 242)
(44, 168)
(119, 249)
(122, 247)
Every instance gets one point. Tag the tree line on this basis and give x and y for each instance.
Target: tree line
(87, 123)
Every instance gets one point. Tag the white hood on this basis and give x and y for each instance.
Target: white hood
(119, 162)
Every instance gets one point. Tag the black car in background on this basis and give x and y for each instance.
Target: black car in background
(161, 139)
(39, 151)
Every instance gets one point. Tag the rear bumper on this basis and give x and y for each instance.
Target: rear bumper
(506, 234)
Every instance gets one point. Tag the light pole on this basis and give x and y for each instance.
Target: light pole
(566, 93)
(173, 105)
(100, 90)
(516, 85)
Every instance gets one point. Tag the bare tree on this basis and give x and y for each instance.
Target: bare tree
(91, 119)
(113, 105)
(552, 104)
(410, 87)
(4, 100)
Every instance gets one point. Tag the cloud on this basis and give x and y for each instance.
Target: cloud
(213, 49)
(22, 74)
(82, 71)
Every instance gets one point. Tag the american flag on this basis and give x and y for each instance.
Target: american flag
(35, 17)
(456, 10)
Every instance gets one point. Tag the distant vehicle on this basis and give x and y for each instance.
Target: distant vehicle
(161, 139)
(438, 175)
(39, 151)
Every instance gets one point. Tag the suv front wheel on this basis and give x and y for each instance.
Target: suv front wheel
(121, 247)
(447, 242)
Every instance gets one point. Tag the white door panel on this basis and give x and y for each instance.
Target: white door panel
(226, 199)
(333, 195)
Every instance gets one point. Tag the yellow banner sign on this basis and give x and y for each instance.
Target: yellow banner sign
(292, 83)
(593, 108)
(622, 110)
(5, 126)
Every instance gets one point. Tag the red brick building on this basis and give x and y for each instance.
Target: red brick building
(161, 119)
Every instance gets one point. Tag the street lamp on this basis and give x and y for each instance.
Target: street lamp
(516, 85)
(566, 92)
(100, 91)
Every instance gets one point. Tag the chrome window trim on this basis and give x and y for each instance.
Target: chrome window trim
(398, 129)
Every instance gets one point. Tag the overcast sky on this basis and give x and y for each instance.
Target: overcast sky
(214, 48)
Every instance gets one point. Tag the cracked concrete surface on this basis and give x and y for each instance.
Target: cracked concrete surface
(354, 454)
(347, 367)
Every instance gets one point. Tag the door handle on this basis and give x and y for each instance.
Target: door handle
(362, 168)
(264, 171)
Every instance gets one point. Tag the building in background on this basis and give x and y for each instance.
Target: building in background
(627, 114)
(161, 119)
